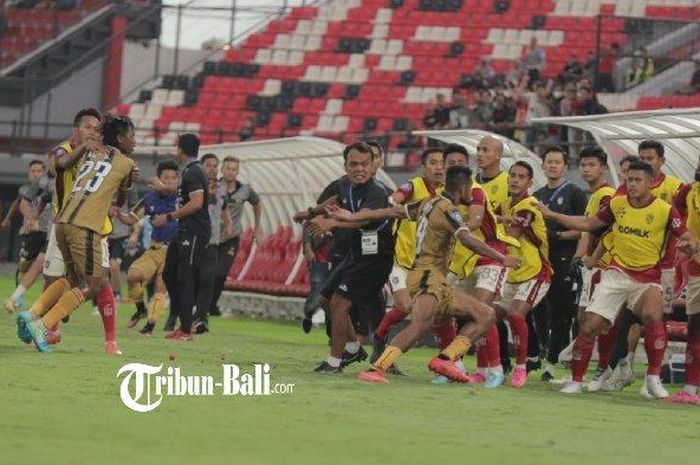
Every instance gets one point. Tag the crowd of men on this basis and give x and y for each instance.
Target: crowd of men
(462, 253)
(472, 251)
(77, 224)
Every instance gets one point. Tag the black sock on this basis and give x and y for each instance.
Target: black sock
(141, 307)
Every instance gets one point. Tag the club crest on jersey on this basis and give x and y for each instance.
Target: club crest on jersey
(560, 201)
(650, 218)
(619, 211)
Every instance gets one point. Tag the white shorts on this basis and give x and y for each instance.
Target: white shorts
(692, 296)
(532, 292)
(397, 278)
(668, 279)
(488, 277)
(591, 278)
(54, 265)
(615, 290)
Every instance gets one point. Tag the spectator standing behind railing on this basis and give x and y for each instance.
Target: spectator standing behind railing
(693, 86)
(535, 60)
(438, 117)
(605, 69)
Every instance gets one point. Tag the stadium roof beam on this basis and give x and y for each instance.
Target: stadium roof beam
(512, 150)
(620, 134)
(289, 174)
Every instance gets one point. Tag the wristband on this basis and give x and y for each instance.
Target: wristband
(310, 212)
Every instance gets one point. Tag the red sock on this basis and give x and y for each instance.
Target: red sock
(692, 361)
(108, 310)
(482, 353)
(520, 335)
(581, 355)
(606, 342)
(445, 334)
(493, 346)
(655, 342)
(390, 318)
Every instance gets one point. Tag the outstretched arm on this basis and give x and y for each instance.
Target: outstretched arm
(481, 248)
(579, 223)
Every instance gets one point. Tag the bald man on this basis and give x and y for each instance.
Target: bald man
(495, 183)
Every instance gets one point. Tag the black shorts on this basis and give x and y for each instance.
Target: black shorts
(117, 247)
(33, 244)
(359, 279)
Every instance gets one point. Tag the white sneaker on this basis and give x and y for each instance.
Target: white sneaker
(626, 375)
(653, 389)
(572, 387)
(599, 380)
(566, 355)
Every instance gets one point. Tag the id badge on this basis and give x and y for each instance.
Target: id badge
(370, 243)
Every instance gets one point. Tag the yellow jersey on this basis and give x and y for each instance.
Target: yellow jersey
(687, 202)
(496, 189)
(533, 248)
(640, 235)
(415, 190)
(464, 260)
(596, 201)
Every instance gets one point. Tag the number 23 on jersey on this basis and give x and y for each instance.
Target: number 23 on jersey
(91, 175)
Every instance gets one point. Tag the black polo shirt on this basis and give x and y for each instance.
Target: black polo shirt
(193, 180)
(568, 199)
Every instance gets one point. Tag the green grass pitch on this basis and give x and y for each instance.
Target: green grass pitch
(64, 407)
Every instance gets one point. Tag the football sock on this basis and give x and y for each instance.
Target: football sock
(606, 342)
(352, 347)
(493, 346)
(157, 307)
(50, 297)
(390, 318)
(459, 346)
(482, 354)
(520, 336)
(655, 342)
(108, 311)
(692, 364)
(580, 356)
(390, 355)
(141, 307)
(64, 307)
(19, 292)
(445, 334)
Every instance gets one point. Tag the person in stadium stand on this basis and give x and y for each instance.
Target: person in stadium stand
(687, 201)
(479, 276)
(33, 233)
(555, 314)
(439, 223)
(183, 259)
(149, 266)
(105, 173)
(359, 278)
(640, 224)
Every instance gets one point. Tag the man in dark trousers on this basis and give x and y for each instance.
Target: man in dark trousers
(554, 316)
(182, 262)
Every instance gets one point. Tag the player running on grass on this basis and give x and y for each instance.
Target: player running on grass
(436, 302)
(150, 265)
(640, 225)
(104, 173)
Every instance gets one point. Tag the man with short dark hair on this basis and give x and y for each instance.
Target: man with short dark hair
(183, 259)
(640, 224)
(362, 274)
(557, 310)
